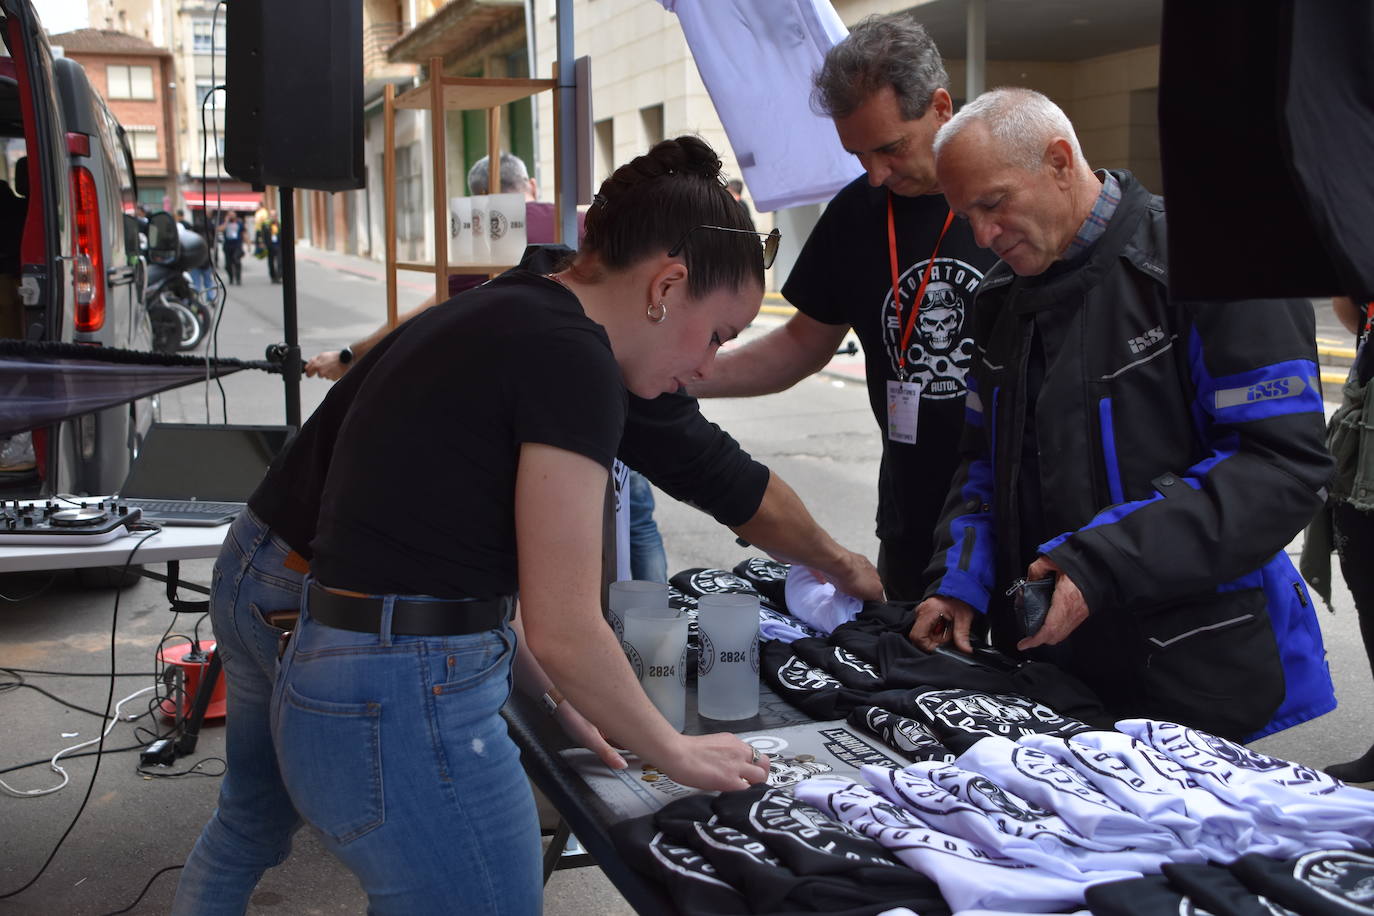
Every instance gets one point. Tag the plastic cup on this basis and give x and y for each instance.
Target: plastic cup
(657, 650)
(481, 235)
(728, 669)
(460, 230)
(629, 594)
(506, 227)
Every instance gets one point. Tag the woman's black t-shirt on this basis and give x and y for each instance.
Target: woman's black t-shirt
(419, 497)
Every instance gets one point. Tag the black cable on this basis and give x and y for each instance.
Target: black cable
(109, 750)
(145, 890)
(193, 770)
(43, 588)
(100, 747)
(78, 673)
(14, 685)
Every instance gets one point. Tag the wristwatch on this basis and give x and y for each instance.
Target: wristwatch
(550, 700)
(346, 355)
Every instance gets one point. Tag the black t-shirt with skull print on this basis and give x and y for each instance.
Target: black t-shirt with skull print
(844, 276)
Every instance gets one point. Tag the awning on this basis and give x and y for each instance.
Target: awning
(226, 200)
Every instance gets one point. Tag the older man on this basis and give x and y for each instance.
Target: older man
(1154, 455)
(886, 259)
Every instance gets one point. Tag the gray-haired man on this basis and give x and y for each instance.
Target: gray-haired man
(1155, 456)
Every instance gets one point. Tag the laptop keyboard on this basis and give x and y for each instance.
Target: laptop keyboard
(181, 507)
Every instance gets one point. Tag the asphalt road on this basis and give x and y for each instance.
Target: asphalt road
(818, 436)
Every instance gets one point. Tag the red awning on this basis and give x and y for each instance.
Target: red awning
(226, 200)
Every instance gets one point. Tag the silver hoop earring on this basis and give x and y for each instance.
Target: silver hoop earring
(662, 312)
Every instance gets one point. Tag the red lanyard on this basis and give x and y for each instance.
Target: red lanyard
(897, 281)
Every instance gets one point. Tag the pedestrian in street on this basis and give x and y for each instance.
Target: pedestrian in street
(269, 242)
(231, 233)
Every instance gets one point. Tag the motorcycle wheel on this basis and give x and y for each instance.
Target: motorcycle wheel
(191, 328)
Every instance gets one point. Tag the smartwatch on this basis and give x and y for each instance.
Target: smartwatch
(346, 355)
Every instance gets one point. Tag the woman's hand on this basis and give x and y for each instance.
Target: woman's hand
(326, 365)
(587, 735)
(717, 763)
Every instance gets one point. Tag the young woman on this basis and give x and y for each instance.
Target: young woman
(470, 463)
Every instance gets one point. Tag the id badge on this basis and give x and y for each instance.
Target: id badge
(903, 405)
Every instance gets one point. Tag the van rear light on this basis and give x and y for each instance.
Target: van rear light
(90, 257)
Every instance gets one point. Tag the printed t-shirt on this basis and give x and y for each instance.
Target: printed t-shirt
(420, 492)
(844, 276)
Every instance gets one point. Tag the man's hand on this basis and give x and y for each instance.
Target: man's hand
(585, 734)
(853, 575)
(326, 365)
(940, 619)
(1067, 609)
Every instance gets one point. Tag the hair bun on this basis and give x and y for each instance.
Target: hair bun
(688, 154)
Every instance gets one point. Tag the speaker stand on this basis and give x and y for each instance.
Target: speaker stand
(291, 367)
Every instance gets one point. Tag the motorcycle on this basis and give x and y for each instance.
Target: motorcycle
(176, 309)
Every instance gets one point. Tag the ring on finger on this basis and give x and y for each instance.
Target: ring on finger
(754, 755)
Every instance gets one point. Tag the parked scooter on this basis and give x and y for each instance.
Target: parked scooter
(177, 310)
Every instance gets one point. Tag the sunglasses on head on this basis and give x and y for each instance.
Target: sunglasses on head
(770, 242)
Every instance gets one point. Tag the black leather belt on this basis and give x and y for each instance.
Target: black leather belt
(410, 617)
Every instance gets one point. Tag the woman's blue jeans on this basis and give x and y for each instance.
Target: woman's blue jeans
(251, 828)
(393, 747)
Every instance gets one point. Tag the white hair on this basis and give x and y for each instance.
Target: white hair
(1021, 121)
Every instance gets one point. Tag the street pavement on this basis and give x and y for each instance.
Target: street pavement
(819, 436)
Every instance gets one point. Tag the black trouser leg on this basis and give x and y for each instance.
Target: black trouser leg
(1355, 544)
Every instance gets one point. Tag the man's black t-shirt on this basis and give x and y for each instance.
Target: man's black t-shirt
(420, 492)
(844, 276)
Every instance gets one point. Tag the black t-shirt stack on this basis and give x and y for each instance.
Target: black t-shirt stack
(760, 850)
(459, 391)
(844, 276)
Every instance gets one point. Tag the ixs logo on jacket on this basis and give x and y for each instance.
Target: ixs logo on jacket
(1276, 389)
(938, 352)
(1145, 341)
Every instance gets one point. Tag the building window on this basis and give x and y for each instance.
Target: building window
(605, 151)
(203, 41)
(142, 142)
(651, 120)
(410, 208)
(125, 82)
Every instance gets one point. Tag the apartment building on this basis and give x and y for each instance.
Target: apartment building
(137, 80)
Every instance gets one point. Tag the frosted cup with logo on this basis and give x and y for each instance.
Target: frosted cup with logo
(481, 235)
(460, 230)
(506, 227)
(657, 649)
(628, 594)
(728, 669)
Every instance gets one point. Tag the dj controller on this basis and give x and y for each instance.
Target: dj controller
(90, 522)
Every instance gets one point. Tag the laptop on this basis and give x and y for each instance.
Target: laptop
(192, 474)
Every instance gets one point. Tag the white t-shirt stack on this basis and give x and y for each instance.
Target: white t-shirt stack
(973, 807)
(1157, 788)
(1288, 799)
(969, 875)
(1040, 779)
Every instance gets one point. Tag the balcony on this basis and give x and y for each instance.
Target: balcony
(378, 37)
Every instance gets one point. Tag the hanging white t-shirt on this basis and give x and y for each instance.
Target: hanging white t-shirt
(757, 59)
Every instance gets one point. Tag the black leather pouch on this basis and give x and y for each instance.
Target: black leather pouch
(1031, 600)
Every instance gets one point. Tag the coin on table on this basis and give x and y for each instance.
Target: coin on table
(650, 777)
(804, 758)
